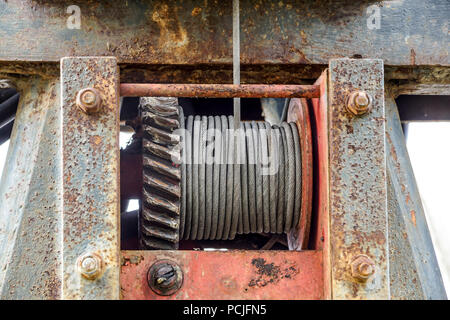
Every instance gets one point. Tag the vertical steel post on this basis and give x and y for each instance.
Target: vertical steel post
(90, 145)
(358, 203)
(415, 272)
(30, 196)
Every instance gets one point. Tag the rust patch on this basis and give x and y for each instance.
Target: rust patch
(413, 57)
(132, 259)
(270, 273)
(413, 217)
(196, 11)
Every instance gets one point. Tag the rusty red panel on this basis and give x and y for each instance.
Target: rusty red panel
(320, 227)
(220, 275)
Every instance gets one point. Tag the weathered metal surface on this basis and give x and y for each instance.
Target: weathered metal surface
(414, 88)
(188, 32)
(299, 113)
(358, 203)
(218, 90)
(419, 76)
(257, 275)
(404, 281)
(409, 221)
(90, 146)
(31, 196)
(320, 238)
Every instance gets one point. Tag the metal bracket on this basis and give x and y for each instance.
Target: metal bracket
(358, 200)
(90, 143)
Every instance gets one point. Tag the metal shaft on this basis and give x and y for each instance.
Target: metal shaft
(236, 63)
(219, 90)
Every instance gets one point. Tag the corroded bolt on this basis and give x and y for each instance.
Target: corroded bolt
(7, 84)
(90, 265)
(359, 103)
(165, 277)
(362, 267)
(88, 100)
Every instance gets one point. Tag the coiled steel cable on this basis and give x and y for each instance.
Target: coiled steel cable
(240, 182)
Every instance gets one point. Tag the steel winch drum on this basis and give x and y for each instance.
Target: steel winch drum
(203, 180)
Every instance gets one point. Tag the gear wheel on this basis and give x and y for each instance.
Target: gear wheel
(159, 221)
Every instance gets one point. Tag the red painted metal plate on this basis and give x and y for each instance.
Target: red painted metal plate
(298, 112)
(223, 275)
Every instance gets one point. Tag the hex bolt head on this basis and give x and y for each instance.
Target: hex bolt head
(90, 265)
(7, 84)
(362, 267)
(359, 103)
(88, 100)
(165, 277)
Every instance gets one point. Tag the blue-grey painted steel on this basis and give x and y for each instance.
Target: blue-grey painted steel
(412, 220)
(358, 200)
(31, 196)
(90, 146)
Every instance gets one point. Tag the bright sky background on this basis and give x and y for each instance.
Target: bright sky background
(430, 158)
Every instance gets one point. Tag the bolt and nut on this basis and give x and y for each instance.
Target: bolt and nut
(362, 267)
(90, 265)
(7, 84)
(165, 277)
(88, 100)
(359, 103)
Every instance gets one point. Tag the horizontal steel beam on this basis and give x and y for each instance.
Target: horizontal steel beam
(402, 33)
(219, 90)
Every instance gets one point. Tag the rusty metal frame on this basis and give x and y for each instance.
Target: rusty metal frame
(414, 269)
(90, 167)
(60, 202)
(31, 195)
(230, 273)
(358, 196)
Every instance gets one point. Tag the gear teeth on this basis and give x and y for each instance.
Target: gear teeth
(161, 166)
(157, 150)
(160, 216)
(165, 186)
(155, 231)
(161, 203)
(161, 137)
(162, 219)
(161, 122)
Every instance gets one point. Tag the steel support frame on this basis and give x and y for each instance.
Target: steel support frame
(67, 164)
(414, 269)
(357, 175)
(90, 167)
(248, 274)
(31, 195)
(59, 194)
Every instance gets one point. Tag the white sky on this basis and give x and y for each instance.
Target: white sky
(430, 158)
